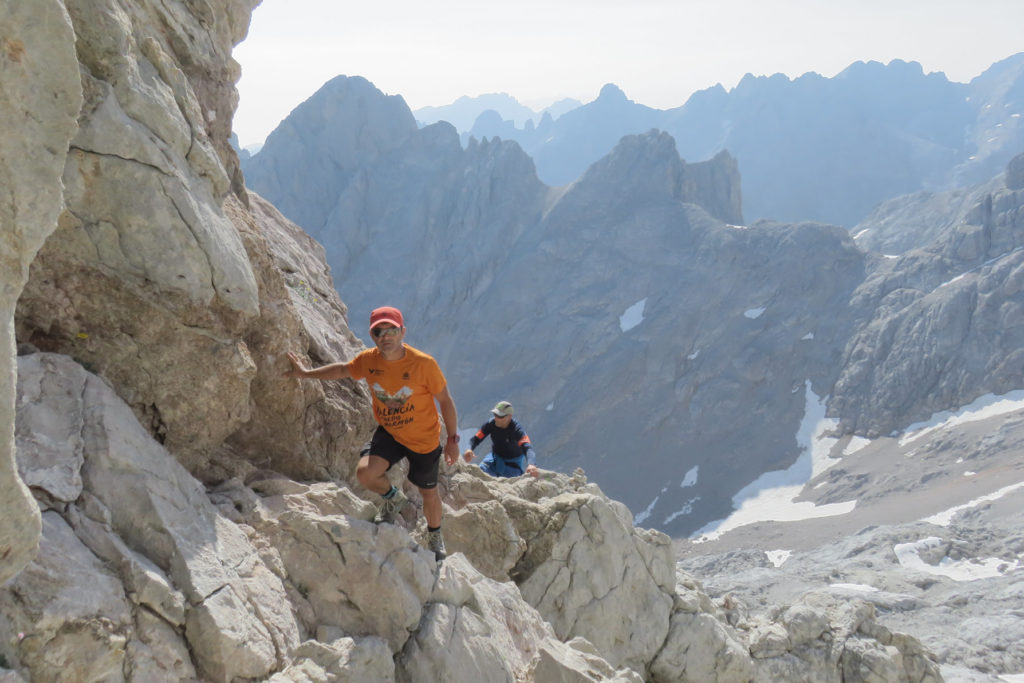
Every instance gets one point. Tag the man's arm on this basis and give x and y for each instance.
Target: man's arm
(477, 439)
(531, 455)
(451, 424)
(332, 371)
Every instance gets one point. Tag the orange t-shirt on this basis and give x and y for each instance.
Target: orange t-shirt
(403, 395)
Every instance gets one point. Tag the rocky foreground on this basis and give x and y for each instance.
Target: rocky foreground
(144, 574)
(934, 543)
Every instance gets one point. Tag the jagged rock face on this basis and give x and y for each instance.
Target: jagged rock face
(946, 323)
(308, 430)
(153, 282)
(145, 276)
(39, 103)
(117, 493)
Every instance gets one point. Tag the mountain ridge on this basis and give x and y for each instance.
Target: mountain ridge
(882, 114)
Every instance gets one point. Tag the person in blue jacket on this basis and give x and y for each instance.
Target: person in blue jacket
(511, 453)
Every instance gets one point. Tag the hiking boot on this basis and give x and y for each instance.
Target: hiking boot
(435, 542)
(390, 507)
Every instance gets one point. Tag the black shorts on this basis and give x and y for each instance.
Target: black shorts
(422, 466)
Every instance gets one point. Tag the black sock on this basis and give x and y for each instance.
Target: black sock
(432, 529)
(392, 492)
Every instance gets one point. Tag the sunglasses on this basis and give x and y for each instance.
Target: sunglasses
(379, 332)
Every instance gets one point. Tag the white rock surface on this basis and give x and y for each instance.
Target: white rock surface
(39, 103)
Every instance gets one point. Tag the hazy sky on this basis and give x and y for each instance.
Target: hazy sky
(658, 51)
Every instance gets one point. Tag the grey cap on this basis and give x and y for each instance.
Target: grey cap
(502, 408)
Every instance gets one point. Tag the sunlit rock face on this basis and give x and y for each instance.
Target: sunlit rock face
(160, 278)
(145, 275)
(39, 104)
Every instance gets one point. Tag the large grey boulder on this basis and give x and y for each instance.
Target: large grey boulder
(39, 103)
(591, 574)
(165, 532)
(67, 606)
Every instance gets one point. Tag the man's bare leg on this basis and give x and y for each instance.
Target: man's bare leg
(372, 474)
(431, 506)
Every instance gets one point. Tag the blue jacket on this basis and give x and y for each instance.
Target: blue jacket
(509, 443)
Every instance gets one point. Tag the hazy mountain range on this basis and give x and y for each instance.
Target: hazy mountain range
(810, 148)
(463, 112)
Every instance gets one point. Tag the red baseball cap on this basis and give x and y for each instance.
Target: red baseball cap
(386, 314)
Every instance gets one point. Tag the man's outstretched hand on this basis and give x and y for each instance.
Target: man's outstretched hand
(297, 369)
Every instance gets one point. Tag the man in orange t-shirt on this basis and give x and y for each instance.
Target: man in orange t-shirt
(405, 383)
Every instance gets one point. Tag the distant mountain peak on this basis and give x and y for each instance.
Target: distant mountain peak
(612, 92)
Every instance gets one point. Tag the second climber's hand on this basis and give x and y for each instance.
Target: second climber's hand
(468, 455)
(532, 470)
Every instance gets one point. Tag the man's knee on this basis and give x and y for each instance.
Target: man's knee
(370, 468)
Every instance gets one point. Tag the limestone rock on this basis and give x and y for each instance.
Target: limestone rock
(49, 427)
(583, 573)
(699, 648)
(355, 576)
(481, 630)
(579, 662)
(39, 103)
(158, 652)
(341, 660)
(486, 534)
(477, 630)
(301, 428)
(145, 276)
(235, 611)
(67, 607)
